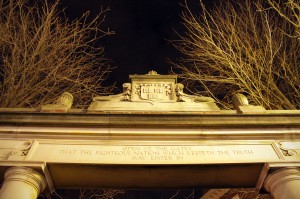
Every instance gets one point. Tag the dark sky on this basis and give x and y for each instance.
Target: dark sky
(142, 27)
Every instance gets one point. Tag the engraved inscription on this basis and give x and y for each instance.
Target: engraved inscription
(153, 91)
(160, 154)
(154, 154)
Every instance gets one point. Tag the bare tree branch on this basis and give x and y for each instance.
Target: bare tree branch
(99, 193)
(43, 54)
(240, 47)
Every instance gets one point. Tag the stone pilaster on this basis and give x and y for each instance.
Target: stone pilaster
(284, 183)
(22, 183)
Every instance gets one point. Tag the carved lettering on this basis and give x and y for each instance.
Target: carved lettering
(154, 91)
(223, 152)
(158, 154)
(67, 152)
(242, 152)
(161, 157)
(86, 152)
(152, 96)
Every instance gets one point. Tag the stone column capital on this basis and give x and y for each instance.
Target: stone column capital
(284, 183)
(22, 182)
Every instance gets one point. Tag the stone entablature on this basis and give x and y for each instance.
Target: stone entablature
(223, 149)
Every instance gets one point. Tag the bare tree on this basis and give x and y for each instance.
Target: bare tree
(289, 10)
(43, 54)
(240, 47)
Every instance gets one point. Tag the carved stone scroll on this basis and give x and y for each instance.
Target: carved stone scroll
(289, 148)
(21, 152)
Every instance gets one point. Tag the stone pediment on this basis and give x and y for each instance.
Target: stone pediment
(153, 92)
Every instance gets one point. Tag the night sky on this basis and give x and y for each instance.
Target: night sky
(143, 30)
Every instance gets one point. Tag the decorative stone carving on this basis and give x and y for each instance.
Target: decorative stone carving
(241, 104)
(239, 100)
(182, 97)
(289, 148)
(21, 152)
(179, 92)
(62, 104)
(65, 99)
(10, 149)
(152, 72)
(153, 92)
(127, 91)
